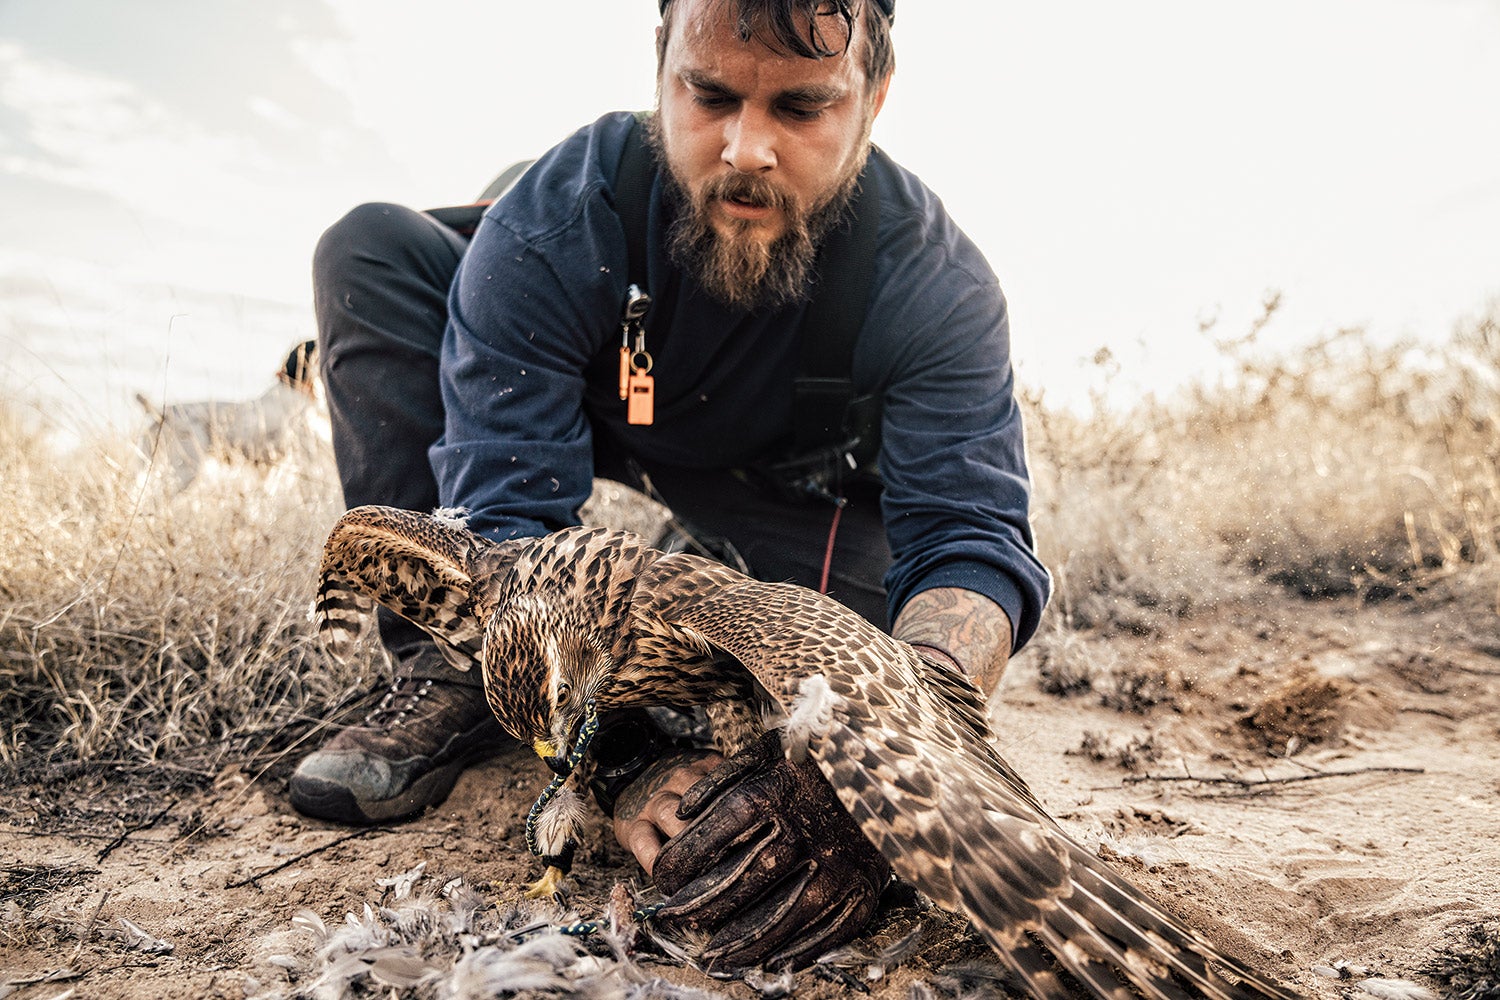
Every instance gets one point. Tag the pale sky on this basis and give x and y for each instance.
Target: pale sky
(1129, 169)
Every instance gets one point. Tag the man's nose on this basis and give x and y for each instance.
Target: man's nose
(750, 142)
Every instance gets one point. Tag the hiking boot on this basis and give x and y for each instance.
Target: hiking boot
(407, 752)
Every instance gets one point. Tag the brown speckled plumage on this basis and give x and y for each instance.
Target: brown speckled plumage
(587, 613)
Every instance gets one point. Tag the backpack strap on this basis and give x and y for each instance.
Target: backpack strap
(633, 180)
(823, 390)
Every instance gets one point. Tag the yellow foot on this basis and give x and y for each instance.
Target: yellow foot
(550, 885)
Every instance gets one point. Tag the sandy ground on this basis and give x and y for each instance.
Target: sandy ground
(1373, 843)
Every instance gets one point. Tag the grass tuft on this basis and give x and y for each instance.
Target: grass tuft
(1469, 967)
(138, 629)
(1345, 467)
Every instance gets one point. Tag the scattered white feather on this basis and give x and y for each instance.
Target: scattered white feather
(452, 944)
(873, 967)
(401, 885)
(307, 920)
(539, 964)
(1342, 969)
(769, 985)
(811, 715)
(452, 517)
(1395, 989)
(134, 938)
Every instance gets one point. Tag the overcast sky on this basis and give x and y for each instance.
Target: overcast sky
(1129, 169)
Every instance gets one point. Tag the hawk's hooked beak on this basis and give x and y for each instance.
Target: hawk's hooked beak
(554, 760)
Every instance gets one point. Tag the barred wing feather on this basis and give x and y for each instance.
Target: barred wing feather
(427, 569)
(908, 752)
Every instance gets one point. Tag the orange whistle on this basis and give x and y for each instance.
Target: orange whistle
(640, 409)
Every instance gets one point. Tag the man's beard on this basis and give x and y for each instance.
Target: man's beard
(739, 269)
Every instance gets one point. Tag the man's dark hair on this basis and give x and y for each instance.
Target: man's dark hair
(779, 23)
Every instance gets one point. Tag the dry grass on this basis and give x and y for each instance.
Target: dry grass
(140, 630)
(1345, 468)
(137, 629)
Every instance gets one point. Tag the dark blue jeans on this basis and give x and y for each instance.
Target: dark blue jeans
(380, 291)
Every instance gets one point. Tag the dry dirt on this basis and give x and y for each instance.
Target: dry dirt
(1373, 843)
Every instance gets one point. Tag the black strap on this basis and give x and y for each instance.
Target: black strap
(633, 199)
(462, 219)
(633, 179)
(824, 385)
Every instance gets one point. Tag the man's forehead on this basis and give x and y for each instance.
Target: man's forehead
(718, 22)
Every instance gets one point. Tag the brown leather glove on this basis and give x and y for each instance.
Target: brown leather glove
(770, 869)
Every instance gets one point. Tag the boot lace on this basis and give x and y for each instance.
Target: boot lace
(400, 701)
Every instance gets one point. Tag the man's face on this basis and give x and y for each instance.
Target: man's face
(763, 146)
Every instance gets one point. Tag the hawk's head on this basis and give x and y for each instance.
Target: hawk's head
(545, 661)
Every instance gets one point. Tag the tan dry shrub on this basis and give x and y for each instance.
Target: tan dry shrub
(1343, 467)
(1111, 523)
(1305, 709)
(136, 628)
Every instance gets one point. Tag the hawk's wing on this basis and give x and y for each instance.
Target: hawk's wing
(905, 746)
(427, 568)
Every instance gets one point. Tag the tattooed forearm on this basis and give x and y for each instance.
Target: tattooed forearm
(966, 628)
(635, 796)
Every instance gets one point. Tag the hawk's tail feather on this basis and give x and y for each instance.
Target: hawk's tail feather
(1017, 874)
(1110, 955)
(1101, 900)
(1101, 954)
(1003, 917)
(422, 567)
(340, 614)
(1036, 967)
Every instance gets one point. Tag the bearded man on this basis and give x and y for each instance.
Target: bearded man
(488, 374)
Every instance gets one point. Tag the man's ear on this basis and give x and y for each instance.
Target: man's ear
(880, 92)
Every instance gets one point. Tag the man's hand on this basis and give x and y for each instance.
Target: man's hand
(767, 867)
(646, 813)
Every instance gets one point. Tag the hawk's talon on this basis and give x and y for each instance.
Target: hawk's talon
(549, 886)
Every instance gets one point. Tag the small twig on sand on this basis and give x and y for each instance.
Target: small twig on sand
(109, 848)
(306, 854)
(55, 976)
(1251, 786)
(88, 928)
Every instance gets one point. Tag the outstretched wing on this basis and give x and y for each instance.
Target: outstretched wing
(905, 746)
(427, 568)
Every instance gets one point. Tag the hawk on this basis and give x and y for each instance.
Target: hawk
(588, 619)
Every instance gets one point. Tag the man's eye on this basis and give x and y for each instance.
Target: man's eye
(714, 102)
(801, 114)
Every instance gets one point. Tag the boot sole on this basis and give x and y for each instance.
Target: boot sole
(326, 800)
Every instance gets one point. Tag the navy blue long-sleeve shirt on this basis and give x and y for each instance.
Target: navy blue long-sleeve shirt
(529, 371)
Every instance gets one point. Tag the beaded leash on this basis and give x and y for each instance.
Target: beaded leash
(586, 734)
(585, 737)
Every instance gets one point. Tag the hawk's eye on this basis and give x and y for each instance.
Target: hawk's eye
(563, 690)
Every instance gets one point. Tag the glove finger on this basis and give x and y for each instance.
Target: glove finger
(842, 919)
(794, 936)
(758, 936)
(735, 821)
(733, 885)
(757, 933)
(759, 755)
